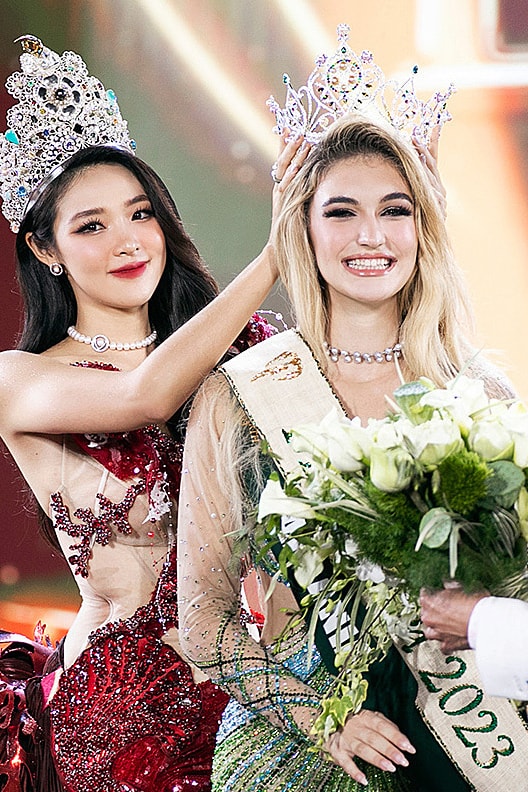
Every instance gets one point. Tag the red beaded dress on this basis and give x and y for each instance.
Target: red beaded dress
(122, 710)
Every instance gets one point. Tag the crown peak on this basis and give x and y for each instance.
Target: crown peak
(30, 44)
(346, 83)
(60, 109)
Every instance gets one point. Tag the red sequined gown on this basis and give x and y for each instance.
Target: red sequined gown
(125, 712)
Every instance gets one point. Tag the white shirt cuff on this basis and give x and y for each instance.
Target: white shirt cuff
(498, 631)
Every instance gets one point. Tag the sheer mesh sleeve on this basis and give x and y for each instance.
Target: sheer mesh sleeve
(209, 580)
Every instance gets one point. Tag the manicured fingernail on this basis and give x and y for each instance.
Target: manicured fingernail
(401, 760)
(386, 765)
(408, 747)
(363, 780)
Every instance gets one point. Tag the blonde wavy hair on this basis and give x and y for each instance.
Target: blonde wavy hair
(434, 309)
(433, 306)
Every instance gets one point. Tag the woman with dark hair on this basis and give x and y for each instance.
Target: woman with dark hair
(117, 337)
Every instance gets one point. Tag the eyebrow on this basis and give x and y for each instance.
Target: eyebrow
(100, 209)
(394, 196)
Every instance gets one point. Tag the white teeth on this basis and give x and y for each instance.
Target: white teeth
(364, 264)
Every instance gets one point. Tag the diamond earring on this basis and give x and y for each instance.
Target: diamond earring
(56, 268)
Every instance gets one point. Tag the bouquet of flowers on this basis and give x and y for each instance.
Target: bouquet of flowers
(434, 492)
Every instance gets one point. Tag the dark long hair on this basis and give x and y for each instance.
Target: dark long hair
(185, 287)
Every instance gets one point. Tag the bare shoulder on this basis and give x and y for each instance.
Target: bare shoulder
(14, 364)
(18, 373)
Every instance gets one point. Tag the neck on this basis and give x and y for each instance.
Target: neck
(365, 329)
(118, 325)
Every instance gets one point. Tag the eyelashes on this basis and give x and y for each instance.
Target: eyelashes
(95, 223)
(390, 211)
(398, 211)
(91, 225)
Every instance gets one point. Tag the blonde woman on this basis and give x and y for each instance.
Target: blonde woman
(362, 247)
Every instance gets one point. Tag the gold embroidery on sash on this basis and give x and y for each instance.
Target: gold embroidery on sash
(285, 366)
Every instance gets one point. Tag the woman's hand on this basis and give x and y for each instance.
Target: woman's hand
(372, 737)
(429, 158)
(445, 616)
(292, 153)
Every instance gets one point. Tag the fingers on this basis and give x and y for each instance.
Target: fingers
(429, 158)
(293, 152)
(445, 616)
(371, 737)
(434, 140)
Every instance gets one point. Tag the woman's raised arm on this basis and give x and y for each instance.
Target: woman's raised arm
(39, 394)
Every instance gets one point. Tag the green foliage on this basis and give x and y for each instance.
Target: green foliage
(462, 482)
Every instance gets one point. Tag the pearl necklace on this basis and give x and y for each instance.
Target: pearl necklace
(391, 353)
(100, 342)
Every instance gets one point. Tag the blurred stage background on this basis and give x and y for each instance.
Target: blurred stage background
(192, 78)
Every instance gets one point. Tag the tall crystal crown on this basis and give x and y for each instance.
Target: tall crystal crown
(350, 83)
(60, 110)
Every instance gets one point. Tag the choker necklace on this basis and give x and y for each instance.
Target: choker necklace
(100, 342)
(391, 353)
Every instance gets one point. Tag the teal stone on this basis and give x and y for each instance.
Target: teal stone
(111, 95)
(12, 137)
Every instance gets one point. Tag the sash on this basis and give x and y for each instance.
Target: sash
(280, 385)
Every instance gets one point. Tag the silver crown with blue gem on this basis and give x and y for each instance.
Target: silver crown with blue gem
(348, 83)
(60, 110)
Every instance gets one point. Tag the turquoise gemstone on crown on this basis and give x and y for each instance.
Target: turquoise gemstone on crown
(12, 137)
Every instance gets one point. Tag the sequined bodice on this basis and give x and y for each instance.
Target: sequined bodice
(114, 515)
(115, 489)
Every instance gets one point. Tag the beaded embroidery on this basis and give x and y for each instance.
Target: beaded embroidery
(128, 715)
(92, 528)
(148, 453)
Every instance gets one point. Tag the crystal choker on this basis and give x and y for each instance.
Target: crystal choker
(100, 342)
(391, 353)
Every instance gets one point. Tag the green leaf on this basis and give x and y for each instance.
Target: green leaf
(435, 528)
(504, 485)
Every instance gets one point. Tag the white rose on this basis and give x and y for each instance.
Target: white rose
(460, 399)
(431, 442)
(310, 439)
(389, 434)
(391, 469)
(491, 440)
(516, 422)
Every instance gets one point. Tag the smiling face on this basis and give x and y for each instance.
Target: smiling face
(363, 232)
(108, 239)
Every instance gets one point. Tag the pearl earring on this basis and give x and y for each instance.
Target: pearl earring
(56, 268)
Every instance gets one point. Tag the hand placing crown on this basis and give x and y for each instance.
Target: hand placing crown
(349, 83)
(60, 110)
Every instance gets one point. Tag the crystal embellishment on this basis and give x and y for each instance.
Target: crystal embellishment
(350, 83)
(60, 109)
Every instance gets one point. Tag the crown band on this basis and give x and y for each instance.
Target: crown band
(349, 83)
(54, 174)
(61, 109)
